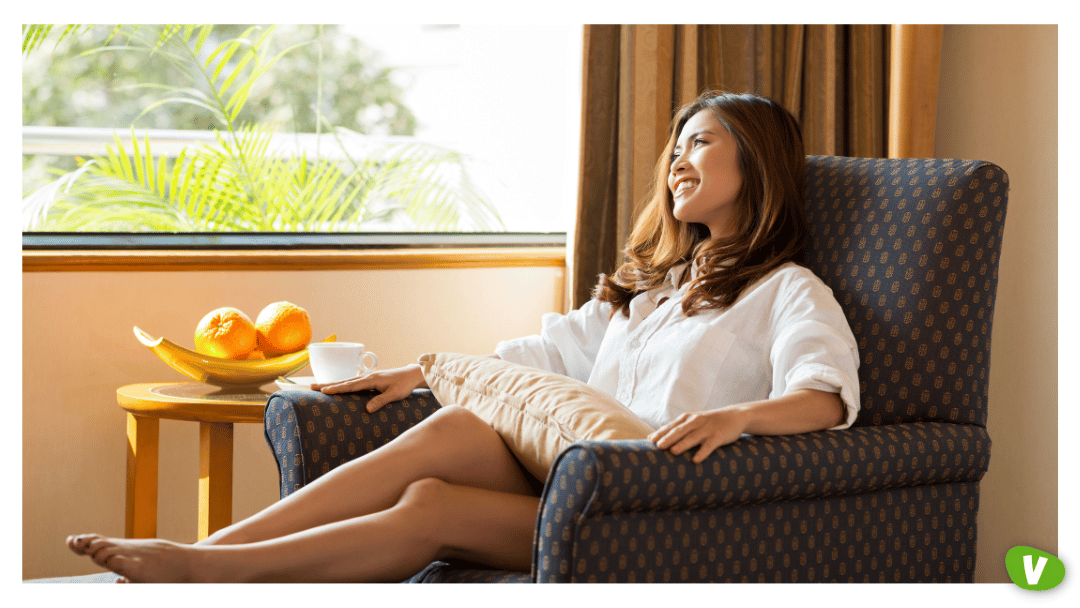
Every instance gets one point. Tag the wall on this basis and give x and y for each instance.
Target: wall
(998, 101)
(78, 348)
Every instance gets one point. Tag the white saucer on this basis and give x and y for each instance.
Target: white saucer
(303, 383)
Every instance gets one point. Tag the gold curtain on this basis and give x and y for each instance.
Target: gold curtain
(833, 78)
(913, 89)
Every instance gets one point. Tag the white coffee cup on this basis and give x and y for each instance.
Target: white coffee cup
(337, 361)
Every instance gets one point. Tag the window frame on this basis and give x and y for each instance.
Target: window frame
(280, 251)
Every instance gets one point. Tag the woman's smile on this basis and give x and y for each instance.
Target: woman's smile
(685, 184)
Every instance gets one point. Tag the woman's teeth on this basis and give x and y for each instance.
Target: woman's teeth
(686, 184)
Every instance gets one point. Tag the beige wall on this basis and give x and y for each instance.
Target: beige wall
(998, 102)
(79, 347)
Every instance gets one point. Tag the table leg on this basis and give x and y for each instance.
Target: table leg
(215, 476)
(140, 513)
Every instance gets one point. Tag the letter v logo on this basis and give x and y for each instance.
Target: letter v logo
(1033, 569)
(1033, 574)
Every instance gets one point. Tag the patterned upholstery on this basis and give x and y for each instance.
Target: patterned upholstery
(464, 572)
(910, 249)
(635, 513)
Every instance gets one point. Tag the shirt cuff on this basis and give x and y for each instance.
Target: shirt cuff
(530, 351)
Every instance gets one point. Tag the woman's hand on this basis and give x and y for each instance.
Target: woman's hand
(392, 384)
(801, 411)
(710, 430)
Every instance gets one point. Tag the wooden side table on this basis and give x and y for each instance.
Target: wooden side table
(216, 409)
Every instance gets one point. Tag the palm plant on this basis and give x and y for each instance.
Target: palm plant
(241, 182)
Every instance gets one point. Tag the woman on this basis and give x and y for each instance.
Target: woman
(707, 332)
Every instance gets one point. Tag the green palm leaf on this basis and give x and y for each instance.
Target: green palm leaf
(37, 206)
(35, 35)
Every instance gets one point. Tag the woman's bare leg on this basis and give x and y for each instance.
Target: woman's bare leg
(452, 444)
(432, 520)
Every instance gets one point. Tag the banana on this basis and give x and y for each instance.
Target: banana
(224, 372)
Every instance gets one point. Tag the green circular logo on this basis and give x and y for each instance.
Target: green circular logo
(1032, 569)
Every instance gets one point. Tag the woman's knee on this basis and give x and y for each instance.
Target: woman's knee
(424, 493)
(460, 447)
(424, 500)
(465, 522)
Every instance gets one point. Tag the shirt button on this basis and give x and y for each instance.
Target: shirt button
(634, 343)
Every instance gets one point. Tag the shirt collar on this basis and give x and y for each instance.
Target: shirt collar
(676, 271)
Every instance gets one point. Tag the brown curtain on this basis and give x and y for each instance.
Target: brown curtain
(833, 78)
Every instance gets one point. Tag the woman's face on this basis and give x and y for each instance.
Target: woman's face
(704, 178)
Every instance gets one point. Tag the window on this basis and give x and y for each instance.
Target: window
(351, 129)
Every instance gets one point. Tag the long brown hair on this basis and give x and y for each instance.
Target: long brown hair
(771, 228)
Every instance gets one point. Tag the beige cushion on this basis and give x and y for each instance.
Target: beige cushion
(537, 413)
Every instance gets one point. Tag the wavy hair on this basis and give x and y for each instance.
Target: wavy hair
(771, 226)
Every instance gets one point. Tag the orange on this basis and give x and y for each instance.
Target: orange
(256, 354)
(282, 327)
(225, 332)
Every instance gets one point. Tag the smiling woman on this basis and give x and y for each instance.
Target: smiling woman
(748, 213)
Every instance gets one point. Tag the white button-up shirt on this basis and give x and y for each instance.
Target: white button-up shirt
(785, 332)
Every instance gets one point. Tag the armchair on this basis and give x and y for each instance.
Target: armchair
(910, 248)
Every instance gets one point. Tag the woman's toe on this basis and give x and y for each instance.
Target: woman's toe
(79, 543)
(99, 549)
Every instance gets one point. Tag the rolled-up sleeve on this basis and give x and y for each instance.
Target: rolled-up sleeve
(813, 346)
(567, 344)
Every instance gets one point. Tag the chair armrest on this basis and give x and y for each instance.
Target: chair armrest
(626, 476)
(310, 433)
(594, 479)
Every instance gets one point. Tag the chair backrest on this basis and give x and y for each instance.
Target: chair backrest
(910, 248)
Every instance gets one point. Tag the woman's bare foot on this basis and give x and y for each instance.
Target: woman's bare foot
(146, 560)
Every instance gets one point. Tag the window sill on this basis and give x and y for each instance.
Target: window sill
(289, 259)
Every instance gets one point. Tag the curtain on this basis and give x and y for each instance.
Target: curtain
(833, 78)
(913, 89)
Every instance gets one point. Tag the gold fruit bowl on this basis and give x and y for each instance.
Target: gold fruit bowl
(224, 372)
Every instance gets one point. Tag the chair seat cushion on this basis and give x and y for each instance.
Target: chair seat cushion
(537, 413)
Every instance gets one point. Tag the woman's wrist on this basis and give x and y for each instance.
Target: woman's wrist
(418, 372)
(742, 416)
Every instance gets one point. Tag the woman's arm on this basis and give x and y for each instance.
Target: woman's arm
(800, 411)
(567, 344)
